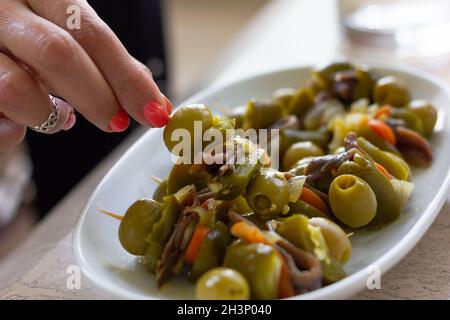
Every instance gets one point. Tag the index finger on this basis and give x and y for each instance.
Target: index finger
(130, 80)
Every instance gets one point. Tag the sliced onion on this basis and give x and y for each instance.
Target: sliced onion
(403, 189)
(295, 186)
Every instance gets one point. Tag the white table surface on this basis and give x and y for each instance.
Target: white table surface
(284, 33)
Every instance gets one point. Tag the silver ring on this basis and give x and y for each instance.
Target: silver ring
(49, 124)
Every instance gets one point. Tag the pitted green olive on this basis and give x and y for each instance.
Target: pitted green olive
(267, 193)
(388, 203)
(352, 200)
(222, 284)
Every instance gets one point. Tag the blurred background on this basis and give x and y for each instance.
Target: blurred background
(198, 33)
(187, 43)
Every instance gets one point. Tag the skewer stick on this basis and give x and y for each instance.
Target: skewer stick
(155, 179)
(112, 214)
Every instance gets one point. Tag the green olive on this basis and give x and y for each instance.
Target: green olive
(181, 175)
(259, 263)
(351, 85)
(267, 193)
(160, 191)
(222, 284)
(364, 85)
(185, 118)
(388, 90)
(411, 120)
(220, 125)
(336, 239)
(352, 200)
(295, 229)
(387, 199)
(298, 230)
(322, 75)
(238, 205)
(299, 151)
(288, 137)
(426, 112)
(212, 250)
(322, 114)
(137, 224)
(162, 229)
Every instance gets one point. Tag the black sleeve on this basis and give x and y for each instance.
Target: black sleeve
(61, 160)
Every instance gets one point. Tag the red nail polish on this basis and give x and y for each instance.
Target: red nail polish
(168, 105)
(155, 114)
(120, 121)
(70, 122)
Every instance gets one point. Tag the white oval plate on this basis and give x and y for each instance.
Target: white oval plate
(104, 262)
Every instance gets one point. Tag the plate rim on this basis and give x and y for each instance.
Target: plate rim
(339, 290)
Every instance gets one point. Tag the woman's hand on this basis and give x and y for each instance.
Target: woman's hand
(88, 67)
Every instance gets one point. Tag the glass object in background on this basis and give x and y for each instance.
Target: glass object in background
(413, 31)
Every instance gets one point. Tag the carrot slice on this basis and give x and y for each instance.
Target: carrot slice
(384, 110)
(196, 242)
(382, 130)
(285, 288)
(363, 122)
(383, 170)
(248, 232)
(313, 199)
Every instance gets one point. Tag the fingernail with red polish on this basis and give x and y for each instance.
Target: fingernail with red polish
(70, 122)
(155, 114)
(120, 121)
(168, 105)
